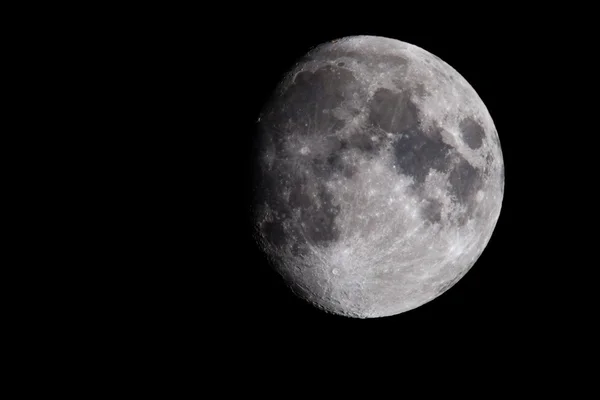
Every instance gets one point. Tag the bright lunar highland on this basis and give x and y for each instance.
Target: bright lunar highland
(379, 177)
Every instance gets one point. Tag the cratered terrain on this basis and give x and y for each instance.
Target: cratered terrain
(379, 177)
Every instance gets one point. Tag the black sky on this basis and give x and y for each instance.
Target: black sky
(149, 111)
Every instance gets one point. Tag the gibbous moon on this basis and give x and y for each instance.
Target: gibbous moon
(379, 177)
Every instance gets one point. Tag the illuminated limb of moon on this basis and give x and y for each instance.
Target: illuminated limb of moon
(380, 177)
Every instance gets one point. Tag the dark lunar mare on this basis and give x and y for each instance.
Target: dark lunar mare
(464, 180)
(472, 133)
(393, 112)
(432, 210)
(301, 105)
(416, 153)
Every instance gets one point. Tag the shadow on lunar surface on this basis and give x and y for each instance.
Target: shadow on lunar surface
(273, 231)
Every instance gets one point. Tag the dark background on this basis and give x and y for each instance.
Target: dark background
(146, 264)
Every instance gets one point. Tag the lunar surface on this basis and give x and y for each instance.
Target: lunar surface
(379, 177)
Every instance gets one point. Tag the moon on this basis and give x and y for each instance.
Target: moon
(378, 177)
